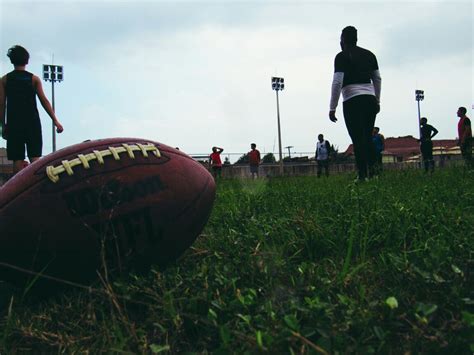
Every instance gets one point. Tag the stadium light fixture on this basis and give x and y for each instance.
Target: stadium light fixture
(53, 73)
(419, 96)
(278, 84)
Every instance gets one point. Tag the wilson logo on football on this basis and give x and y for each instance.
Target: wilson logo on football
(67, 166)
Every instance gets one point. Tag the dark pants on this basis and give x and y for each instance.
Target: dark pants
(217, 171)
(378, 162)
(359, 115)
(323, 164)
(426, 148)
(466, 152)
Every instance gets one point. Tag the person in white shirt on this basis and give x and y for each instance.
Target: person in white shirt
(323, 148)
(356, 75)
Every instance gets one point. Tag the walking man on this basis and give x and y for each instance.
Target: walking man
(254, 160)
(21, 126)
(465, 136)
(323, 148)
(356, 75)
(426, 145)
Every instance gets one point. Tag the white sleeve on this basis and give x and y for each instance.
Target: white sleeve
(377, 80)
(337, 80)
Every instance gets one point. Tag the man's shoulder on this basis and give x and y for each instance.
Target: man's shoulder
(365, 51)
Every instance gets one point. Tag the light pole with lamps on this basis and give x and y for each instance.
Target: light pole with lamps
(277, 85)
(53, 73)
(419, 96)
(289, 150)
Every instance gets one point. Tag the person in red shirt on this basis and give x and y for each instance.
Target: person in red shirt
(215, 162)
(465, 136)
(254, 160)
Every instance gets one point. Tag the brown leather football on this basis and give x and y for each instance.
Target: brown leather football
(119, 203)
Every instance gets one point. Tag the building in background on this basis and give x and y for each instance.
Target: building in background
(407, 149)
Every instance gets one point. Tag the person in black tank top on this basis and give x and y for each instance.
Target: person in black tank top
(427, 132)
(356, 75)
(21, 125)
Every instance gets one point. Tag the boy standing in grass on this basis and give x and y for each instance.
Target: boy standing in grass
(215, 162)
(254, 160)
(426, 146)
(21, 126)
(323, 148)
(465, 136)
(379, 145)
(356, 75)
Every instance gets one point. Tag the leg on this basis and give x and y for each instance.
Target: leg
(320, 168)
(430, 156)
(326, 167)
(17, 166)
(16, 151)
(466, 152)
(359, 115)
(424, 156)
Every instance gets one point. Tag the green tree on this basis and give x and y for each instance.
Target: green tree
(244, 159)
(268, 158)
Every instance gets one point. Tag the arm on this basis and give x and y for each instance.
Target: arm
(336, 88)
(45, 103)
(434, 132)
(3, 100)
(377, 81)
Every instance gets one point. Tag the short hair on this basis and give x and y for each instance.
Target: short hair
(349, 34)
(18, 55)
(320, 135)
(423, 118)
(253, 145)
(463, 110)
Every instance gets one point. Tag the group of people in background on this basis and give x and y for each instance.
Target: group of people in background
(356, 78)
(215, 162)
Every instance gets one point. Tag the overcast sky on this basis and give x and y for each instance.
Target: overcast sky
(194, 74)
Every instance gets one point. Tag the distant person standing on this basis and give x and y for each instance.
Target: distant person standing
(323, 148)
(356, 75)
(215, 162)
(21, 126)
(379, 145)
(254, 160)
(465, 136)
(426, 145)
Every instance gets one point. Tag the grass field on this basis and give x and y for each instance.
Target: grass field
(291, 265)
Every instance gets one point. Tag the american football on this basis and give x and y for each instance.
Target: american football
(119, 203)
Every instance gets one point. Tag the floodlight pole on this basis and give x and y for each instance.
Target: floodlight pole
(54, 131)
(277, 85)
(419, 96)
(53, 73)
(279, 135)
